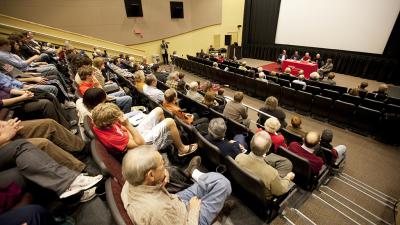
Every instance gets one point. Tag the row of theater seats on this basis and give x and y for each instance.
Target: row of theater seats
(360, 116)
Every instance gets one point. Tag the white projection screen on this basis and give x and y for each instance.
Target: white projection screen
(353, 25)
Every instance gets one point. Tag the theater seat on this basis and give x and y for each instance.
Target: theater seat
(393, 100)
(313, 90)
(88, 127)
(339, 89)
(321, 107)
(327, 155)
(373, 104)
(253, 190)
(330, 94)
(274, 90)
(301, 167)
(297, 86)
(290, 137)
(211, 153)
(284, 82)
(342, 113)
(350, 99)
(365, 120)
(114, 201)
(303, 102)
(109, 166)
(287, 100)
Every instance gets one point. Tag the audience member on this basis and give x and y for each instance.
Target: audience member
(216, 135)
(40, 168)
(295, 126)
(296, 56)
(91, 98)
(282, 57)
(338, 152)
(381, 93)
(261, 73)
(360, 90)
(151, 90)
(192, 92)
(161, 76)
(242, 66)
(118, 135)
(301, 80)
(306, 151)
(236, 111)
(325, 69)
(315, 76)
(33, 108)
(287, 72)
(146, 200)
(215, 65)
(256, 163)
(330, 80)
(172, 81)
(209, 100)
(181, 83)
(139, 80)
(272, 126)
(271, 108)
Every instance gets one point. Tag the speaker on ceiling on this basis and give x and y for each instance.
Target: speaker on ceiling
(228, 40)
(176, 10)
(133, 8)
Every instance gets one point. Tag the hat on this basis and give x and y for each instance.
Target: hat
(272, 125)
(217, 128)
(327, 136)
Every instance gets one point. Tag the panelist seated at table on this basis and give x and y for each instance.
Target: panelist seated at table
(306, 57)
(296, 56)
(282, 56)
(325, 69)
(319, 60)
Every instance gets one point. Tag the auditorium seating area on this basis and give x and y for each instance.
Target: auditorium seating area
(366, 116)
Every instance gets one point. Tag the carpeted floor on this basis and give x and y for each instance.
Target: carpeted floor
(271, 67)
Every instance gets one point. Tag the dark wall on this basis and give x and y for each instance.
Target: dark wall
(259, 31)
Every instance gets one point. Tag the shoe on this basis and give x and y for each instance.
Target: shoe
(82, 182)
(193, 164)
(69, 105)
(192, 148)
(88, 194)
(228, 207)
(73, 131)
(73, 122)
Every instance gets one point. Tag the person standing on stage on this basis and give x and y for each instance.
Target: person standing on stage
(164, 51)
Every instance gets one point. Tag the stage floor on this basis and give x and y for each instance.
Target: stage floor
(341, 79)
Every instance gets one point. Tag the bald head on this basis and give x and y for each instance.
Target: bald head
(311, 139)
(260, 143)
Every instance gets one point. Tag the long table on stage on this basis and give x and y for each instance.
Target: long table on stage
(296, 66)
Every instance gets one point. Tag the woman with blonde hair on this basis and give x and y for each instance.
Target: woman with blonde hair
(139, 80)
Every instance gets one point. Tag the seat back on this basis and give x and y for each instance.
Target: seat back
(109, 166)
(342, 113)
(373, 104)
(284, 82)
(113, 196)
(247, 181)
(303, 102)
(350, 99)
(339, 89)
(365, 120)
(288, 97)
(321, 107)
(393, 100)
(330, 94)
(301, 167)
(274, 90)
(88, 127)
(209, 151)
(297, 86)
(313, 90)
(290, 137)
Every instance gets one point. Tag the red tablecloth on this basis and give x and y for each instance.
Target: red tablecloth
(296, 66)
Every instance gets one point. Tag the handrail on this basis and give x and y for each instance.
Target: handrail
(69, 32)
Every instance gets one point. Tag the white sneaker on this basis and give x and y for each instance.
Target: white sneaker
(82, 182)
(88, 194)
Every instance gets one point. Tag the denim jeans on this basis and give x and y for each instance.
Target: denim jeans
(241, 139)
(123, 101)
(213, 189)
(48, 88)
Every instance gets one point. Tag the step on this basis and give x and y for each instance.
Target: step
(321, 213)
(350, 209)
(375, 206)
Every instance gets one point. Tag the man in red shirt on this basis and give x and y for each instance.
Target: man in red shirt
(307, 151)
(115, 132)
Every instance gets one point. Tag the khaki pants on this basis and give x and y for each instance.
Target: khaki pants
(55, 140)
(281, 164)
